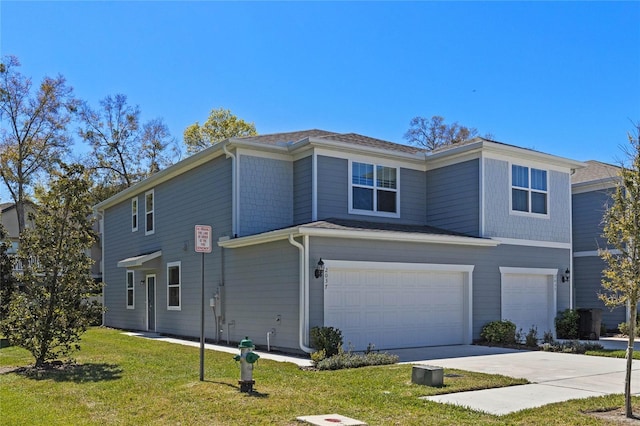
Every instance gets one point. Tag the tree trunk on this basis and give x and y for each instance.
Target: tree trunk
(627, 379)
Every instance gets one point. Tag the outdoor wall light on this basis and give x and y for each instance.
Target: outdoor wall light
(142, 282)
(319, 269)
(566, 276)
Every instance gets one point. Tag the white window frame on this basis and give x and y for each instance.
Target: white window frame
(179, 286)
(149, 212)
(529, 191)
(375, 190)
(130, 286)
(134, 214)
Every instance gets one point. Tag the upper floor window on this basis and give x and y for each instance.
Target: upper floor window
(529, 190)
(148, 211)
(373, 189)
(173, 285)
(130, 290)
(134, 214)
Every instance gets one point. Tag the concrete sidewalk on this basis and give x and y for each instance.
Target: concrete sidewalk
(300, 361)
(555, 377)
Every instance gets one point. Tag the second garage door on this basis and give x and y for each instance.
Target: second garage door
(398, 305)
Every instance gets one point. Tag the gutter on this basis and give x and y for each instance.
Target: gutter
(304, 291)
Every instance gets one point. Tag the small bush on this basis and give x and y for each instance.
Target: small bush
(499, 332)
(352, 360)
(567, 323)
(547, 337)
(571, 347)
(318, 356)
(327, 339)
(624, 328)
(531, 339)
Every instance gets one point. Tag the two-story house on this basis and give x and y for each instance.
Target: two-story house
(592, 188)
(394, 246)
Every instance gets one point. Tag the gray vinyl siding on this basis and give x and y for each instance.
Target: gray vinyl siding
(262, 283)
(453, 197)
(333, 193)
(266, 194)
(201, 196)
(302, 190)
(500, 222)
(587, 278)
(588, 210)
(486, 275)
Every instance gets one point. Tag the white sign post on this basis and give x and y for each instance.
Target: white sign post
(203, 245)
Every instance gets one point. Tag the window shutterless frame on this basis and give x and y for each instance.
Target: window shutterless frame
(374, 189)
(529, 190)
(149, 212)
(174, 279)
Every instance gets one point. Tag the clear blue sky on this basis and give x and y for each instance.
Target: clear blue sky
(560, 77)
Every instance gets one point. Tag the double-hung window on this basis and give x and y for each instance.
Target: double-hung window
(173, 285)
(374, 189)
(529, 192)
(148, 211)
(134, 214)
(130, 290)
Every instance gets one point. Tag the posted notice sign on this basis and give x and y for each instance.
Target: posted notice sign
(203, 239)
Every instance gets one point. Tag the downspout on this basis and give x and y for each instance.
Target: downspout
(101, 229)
(234, 196)
(304, 300)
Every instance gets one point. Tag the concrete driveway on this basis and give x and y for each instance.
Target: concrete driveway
(555, 377)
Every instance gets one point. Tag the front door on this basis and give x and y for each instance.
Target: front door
(151, 303)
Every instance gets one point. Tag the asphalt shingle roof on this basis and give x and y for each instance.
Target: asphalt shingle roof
(594, 171)
(359, 225)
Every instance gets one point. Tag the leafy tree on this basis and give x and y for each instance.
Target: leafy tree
(124, 150)
(33, 135)
(621, 279)
(434, 133)
(7, 282)
(53, 310)
(220, 125)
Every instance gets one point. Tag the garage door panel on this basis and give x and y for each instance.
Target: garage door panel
(528, 301)
(397, 308)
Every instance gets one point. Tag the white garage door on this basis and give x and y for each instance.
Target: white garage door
(529, 298)
(398, 305)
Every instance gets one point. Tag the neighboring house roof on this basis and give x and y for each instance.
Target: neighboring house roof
(6, 206)
(356, 229)
(595, 171)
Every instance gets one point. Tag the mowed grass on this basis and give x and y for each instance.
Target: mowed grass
(127, 380)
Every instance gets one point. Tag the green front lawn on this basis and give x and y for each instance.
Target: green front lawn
(126, 380)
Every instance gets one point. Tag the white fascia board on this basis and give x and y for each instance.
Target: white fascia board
(339, 149)
(400, 237)
(357, 235)
(503, 152)
(138, 261)
(390, 161)
(532, 243)
(594, 185)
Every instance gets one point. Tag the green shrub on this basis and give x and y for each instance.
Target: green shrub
(327, 339)
(567, 323)
(531, 339)
(547, 337)
(572, 347)
(499, 332)
(624, 328)
(352, 360)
